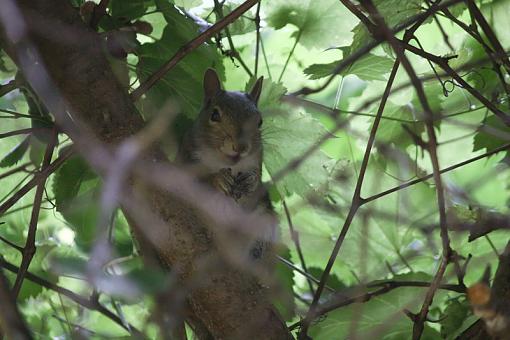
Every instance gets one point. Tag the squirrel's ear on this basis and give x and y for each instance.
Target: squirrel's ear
(212, 83)
(256, 90)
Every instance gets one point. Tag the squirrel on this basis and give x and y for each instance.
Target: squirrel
(224, 147)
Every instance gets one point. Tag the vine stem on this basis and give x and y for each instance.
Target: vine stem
(295, 238)
(265, 58)
(257, 47)
(298, 36)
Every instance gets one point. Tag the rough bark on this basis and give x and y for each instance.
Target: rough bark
(229, 302)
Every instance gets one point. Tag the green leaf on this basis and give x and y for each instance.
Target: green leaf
(456, 312)
(128, 9)
(392, 131)
(317, 22)
(37, 151)
(242, 25)
(184, 81)
(332, 282)
(69, 265)
(284, 291)
(6, 65)
(393, 11)
(382, 314)
(30, 289)
(371, 67)
(148, 280)
(41, 120)
(286, 138)
(269, 99)
(68, 180)
(484, 140)
(16, 153)
(122, 238)
(76, 190)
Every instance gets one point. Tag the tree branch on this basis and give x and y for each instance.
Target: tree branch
(29, 248)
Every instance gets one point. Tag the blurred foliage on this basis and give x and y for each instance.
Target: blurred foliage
(392, 238)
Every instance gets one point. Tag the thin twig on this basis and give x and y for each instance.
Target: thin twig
(29, 248)
(17, 169)
(18, 132)
(295, 238)
(265, 58)
(291, 52)
(11, 244)
(308, 276)
(429, 176)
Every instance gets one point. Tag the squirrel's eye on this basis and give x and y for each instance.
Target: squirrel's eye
(215, 116)
(260, 122)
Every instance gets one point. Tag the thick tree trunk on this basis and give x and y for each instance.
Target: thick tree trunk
(230, 303)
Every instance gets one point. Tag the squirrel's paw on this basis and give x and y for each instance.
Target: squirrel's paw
(245, 183)
(224, 181)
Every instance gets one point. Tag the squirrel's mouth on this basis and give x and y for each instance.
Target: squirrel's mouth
(235, 158)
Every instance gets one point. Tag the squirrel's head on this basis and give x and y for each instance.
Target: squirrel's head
(230, 121)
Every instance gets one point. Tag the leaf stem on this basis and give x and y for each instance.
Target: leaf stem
(298, 36)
